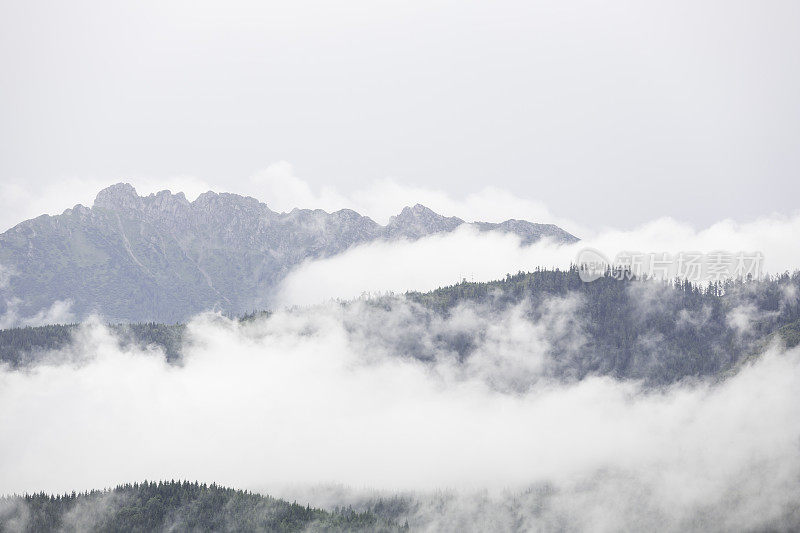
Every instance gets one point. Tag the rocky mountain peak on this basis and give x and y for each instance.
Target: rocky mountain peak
(417, 212)
(417, 221)
(118, 196)
(160, 257)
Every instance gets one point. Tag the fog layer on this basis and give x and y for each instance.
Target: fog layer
(297, 400)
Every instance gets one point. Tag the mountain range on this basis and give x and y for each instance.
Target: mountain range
(163, 258)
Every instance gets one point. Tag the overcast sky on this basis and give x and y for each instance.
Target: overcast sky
(609, 113)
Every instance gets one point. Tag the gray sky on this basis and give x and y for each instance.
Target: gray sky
(610, 113)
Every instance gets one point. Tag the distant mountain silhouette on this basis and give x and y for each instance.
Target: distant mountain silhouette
(163, 258)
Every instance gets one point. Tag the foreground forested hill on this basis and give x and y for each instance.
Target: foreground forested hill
(175, 506)
(628, 329)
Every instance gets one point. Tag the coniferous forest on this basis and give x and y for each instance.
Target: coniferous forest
(690, 332)
(444, 267)
(655, 333)
(175, 506)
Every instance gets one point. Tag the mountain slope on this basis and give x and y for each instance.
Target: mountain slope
(163, 258)
(627, 329)
(176, 506)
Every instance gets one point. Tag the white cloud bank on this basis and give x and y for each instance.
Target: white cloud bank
(282, 190)
(293, 400)
(441, 260)
(59, 312)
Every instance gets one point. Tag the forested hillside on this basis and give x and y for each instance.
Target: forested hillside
(642, 329)
(629, 329)
(175, 506)
(25, 346)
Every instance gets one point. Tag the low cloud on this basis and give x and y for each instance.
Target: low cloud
(441, 260)
(5, 276)
(282, 190)
(422, 265)
(59, 312)
(298, 400)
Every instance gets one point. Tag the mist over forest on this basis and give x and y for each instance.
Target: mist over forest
(385, 381)
(535, 402)
(411, 266)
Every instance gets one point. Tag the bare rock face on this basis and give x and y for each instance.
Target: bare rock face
(119, 197)
(419, 221)
(163, 258)
(529, 232)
